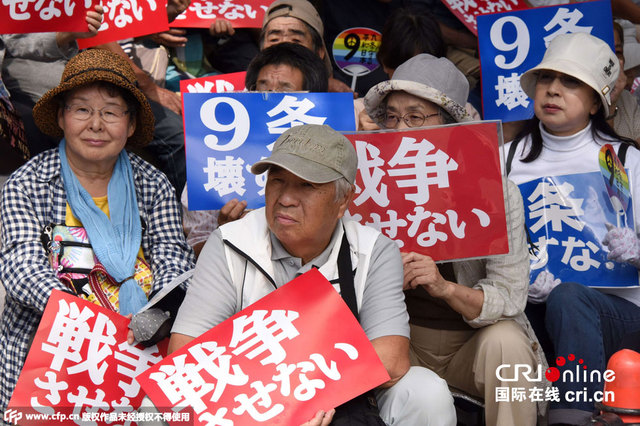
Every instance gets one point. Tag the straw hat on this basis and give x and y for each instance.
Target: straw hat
(581, 56)
(87, 67)
(434, 79)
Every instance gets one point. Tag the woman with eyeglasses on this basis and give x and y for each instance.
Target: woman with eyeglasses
(466, 317)
(88, 217)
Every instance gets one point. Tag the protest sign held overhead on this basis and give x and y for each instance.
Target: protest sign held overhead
(468, 10)
(295, 351)
(241, 13)
(19, 17)
(129, 18)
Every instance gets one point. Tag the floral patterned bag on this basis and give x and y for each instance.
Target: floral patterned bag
(71, 256)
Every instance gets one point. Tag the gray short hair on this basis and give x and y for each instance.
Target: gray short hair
(343, 188)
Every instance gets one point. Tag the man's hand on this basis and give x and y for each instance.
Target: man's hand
(231, 211)
(321, 418)
(365, 122)
(422, 270)
(221, 28)
(93, 19)
(165, 97)
(175, 37)
(175, 8)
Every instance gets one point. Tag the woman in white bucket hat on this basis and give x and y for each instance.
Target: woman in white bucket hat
(462, 312)
(571, 89)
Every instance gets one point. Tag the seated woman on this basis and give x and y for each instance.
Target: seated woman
(572, 89)
(466, 317)
(126, 209)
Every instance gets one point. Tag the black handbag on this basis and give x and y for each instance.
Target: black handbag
(363, 409)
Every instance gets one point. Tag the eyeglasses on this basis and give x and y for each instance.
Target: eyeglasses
(109, 114)
(548, 77)
(412, 119)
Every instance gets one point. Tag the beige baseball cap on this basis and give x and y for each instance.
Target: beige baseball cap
(304, 11)
(581, 56)
(315, 153)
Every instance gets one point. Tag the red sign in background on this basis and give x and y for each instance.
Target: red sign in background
(232, 82)
(295, 351)
(437, 191)
(467, 10)
(19, 17)
(241, 13)
(129, 18)
(80, 365)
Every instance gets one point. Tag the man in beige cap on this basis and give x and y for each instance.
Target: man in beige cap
(298, 21)
(310, 176)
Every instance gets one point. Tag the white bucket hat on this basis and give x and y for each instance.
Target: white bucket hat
(581, 56)
(427, 77)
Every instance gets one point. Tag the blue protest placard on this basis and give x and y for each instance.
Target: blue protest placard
(225, 133)
(566, 217)
(514, 42)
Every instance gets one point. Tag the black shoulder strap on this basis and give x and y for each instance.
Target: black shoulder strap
(510, 155)
(622, 152)
(347, 288)
(250, 260)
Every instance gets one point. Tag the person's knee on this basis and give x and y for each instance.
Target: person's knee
(566, 302)
(420, 397)
(505, 342)
(563, 295)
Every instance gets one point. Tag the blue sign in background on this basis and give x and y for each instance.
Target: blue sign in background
(225, 133)
(514, 42)
(597, 210)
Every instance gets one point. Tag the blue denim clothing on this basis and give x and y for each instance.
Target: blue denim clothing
(591, 325)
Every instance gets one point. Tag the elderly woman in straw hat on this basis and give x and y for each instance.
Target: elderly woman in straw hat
(90, 191)
(466, 317)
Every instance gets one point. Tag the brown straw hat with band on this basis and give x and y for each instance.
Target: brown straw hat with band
(87, 67)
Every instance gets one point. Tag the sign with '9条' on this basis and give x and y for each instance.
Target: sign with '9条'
(225, 133)
(514, 42)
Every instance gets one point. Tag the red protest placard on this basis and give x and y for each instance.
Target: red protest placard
(241, 13)
(467, 10)
(21, 16)
(435, 191)
(295, 351)
(80, 366)
(232, 82)
(129, 18)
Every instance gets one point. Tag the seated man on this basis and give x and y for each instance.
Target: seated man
(310, 179)
(284, 67)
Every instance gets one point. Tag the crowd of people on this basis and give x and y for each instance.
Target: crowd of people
(107, 172)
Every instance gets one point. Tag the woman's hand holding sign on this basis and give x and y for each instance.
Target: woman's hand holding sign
(623, 245)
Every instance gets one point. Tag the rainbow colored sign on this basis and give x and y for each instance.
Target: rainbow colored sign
(354, 51)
